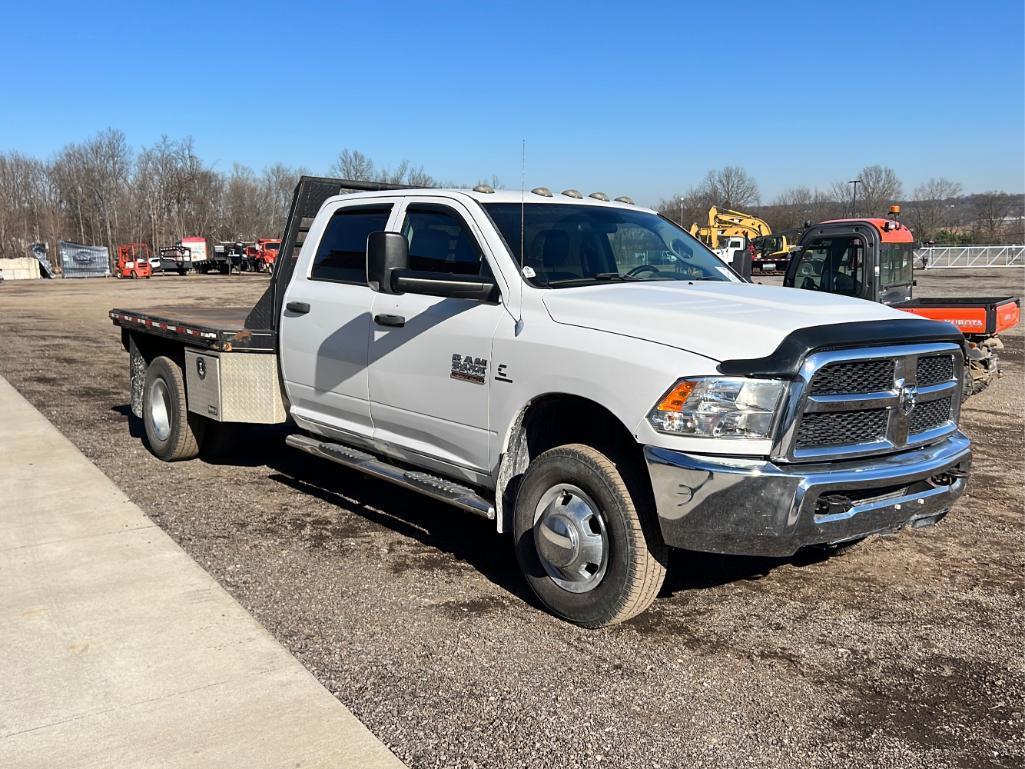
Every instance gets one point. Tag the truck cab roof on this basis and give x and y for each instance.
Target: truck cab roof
(888, 233)
(498, 196)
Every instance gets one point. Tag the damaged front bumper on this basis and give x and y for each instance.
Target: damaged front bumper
(757, 507)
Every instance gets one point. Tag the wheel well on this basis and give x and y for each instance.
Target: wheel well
(151, 347)
(556, 420)
(142, 350)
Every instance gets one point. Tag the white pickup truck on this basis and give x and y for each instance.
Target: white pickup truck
(581, 371)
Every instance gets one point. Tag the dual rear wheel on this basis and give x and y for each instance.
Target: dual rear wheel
(172, 431)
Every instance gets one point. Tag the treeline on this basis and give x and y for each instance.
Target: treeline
(104, 192)
(936, 210)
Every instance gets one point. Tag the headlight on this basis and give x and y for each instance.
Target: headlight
(719, 407)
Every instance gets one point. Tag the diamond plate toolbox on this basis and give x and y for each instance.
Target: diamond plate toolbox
(234, 386)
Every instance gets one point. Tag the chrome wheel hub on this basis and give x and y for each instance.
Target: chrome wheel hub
(570, 537)
(160, 409)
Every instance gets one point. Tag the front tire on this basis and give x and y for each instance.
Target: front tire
(580, 539)
(172, 432)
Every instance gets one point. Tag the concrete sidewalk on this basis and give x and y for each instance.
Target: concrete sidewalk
(118, 650)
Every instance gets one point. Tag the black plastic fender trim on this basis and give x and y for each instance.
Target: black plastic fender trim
(785, 361)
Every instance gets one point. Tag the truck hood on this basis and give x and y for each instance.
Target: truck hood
(718, 320)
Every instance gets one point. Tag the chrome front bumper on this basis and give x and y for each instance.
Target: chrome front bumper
(756, 507)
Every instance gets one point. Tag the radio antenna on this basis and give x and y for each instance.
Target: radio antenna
(523, 226)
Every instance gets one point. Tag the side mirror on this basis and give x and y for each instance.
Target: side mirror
(386, 253)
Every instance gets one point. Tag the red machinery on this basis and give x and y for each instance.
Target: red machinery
(133, 260)
(266, 253)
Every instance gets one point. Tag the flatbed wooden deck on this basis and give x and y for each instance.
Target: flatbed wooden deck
(216, 328)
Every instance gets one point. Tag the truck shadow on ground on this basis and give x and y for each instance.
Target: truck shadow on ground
(457, 536)
(692, 570)
(473, 540)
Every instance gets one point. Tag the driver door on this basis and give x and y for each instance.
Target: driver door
(430, 356)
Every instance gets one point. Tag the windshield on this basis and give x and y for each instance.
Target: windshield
(271, 246)
(567, 245)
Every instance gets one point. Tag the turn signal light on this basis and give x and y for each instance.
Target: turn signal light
(676, 398)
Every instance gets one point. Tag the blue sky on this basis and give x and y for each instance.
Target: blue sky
(630, 98)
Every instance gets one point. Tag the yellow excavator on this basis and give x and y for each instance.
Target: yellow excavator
(727, 223)
(771, 252)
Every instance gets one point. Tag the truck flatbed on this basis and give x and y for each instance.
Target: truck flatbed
(215, 328)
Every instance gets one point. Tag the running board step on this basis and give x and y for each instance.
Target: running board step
(433, 486)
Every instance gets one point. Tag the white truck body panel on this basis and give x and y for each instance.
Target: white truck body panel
(620, 345)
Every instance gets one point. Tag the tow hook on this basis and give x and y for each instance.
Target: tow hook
(833, 504)
(948, 478)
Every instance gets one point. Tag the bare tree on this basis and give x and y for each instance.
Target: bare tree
(21, 201)
(689, 208)
(794, 208)
(878, 187)
(354, 165)
(417, 177)
(731, 187)
(931, 208)
(397, 176)
(993, 217)
(277, 185)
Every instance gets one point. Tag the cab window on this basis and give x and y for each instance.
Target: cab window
(895, 268)
(440, 241)
(832, 264)
(342, 252)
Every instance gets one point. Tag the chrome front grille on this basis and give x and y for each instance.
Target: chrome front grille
(842, 427)
(929, 416)
(935, 369)
(860, 376)
(872, 400)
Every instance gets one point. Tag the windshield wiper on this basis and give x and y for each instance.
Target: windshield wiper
(599, 277)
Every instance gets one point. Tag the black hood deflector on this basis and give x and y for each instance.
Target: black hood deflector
(785, 361)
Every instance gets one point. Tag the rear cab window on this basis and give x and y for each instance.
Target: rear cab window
(342, 252)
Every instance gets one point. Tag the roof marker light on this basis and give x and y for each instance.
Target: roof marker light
(571, 193)
(625, 199)
(542, 191)
(484, 189)
(599, 196)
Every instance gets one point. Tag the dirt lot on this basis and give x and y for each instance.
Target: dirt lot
(906, 652)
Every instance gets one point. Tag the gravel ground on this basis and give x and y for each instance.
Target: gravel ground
(906, 652)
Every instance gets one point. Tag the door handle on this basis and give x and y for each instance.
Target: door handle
(390, 320)
(299, 308)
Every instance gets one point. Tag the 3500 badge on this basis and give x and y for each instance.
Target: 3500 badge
(469, 369)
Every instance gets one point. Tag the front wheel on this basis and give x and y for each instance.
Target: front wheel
(580, 539)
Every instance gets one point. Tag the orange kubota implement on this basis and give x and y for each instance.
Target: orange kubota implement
(873, 259)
